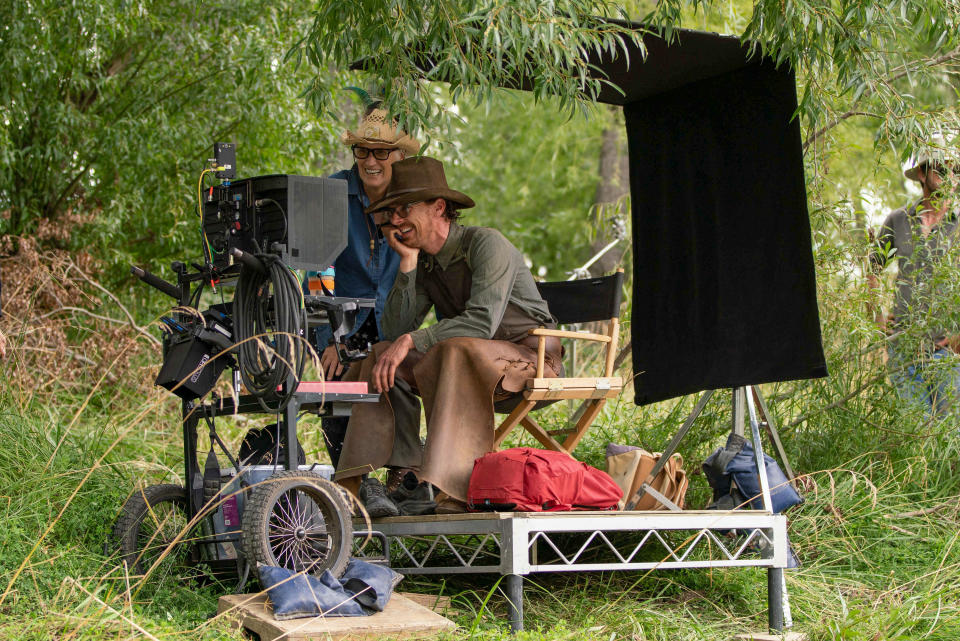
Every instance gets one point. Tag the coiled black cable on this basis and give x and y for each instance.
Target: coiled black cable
(268, 348)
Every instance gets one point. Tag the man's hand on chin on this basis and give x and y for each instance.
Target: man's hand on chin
(408, 255)
(385, 370)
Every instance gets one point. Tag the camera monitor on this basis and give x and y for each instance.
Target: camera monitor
(303, 219)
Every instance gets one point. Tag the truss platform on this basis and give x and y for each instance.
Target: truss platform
(515, 544)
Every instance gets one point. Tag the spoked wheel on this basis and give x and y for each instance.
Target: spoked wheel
(299, 521)
(151, 520)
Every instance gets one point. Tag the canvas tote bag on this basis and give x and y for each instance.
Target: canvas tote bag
(630, 466)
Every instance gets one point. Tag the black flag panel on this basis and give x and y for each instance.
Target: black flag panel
(724, 290)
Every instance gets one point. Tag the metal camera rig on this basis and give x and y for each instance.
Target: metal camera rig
(255, 233)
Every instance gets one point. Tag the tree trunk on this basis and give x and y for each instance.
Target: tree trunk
(614, 185)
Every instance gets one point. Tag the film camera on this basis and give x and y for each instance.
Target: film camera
(254, 232)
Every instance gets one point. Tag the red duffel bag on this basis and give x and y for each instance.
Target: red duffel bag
(525, 479)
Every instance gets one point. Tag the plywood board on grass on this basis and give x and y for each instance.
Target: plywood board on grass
(402, 619)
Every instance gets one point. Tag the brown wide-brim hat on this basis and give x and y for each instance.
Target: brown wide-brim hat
(378, 129)
(415, 179)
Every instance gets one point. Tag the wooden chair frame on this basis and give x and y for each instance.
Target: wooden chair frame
(593, 390)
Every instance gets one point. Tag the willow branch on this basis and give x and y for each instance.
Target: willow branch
(903, 71)
(116, 300)
(836, 121)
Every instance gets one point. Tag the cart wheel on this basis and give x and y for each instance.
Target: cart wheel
(150, 520)
(299, 521)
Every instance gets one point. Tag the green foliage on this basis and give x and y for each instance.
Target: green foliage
(475, 46)
(108, 112)
(891, 62)
(534, 171)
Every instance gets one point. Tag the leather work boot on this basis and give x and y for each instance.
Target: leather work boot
(419, 501)
(400, 482)
(374, 498)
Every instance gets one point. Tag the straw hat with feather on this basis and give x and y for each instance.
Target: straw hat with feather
(376, 127)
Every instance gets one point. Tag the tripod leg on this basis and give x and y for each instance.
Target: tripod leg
(672, 447)
(774, 434)
(687, 424)
(758, 452)
(738, 401)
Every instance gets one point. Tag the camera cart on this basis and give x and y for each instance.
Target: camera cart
(285, 513)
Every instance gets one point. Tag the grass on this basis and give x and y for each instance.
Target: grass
(877, 535)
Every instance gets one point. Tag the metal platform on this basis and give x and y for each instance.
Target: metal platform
(514, 544)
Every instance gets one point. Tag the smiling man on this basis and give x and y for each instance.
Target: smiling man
(478, 352)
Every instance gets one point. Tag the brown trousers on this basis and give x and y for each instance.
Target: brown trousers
(457, 380)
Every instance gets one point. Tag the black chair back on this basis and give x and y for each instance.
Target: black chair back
(585, 300)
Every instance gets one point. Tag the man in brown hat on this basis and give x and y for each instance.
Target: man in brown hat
(917, 236)
(367, 266)
(478, 352)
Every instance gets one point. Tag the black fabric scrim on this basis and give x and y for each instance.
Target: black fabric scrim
(724, 289)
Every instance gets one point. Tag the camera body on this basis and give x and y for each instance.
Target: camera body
(249, 228)
(301, 219)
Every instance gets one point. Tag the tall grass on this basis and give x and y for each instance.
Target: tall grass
(877, 535)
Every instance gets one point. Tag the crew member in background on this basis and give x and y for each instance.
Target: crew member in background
(480, 351)
(368, 266)
(917, 237)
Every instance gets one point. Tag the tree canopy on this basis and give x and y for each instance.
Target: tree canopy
(894, 62)
(108, 112)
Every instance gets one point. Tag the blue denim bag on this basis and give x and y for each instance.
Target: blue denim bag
(363, 589)
(301, 595)
(370, 584)
(738, 463)
(745, 473)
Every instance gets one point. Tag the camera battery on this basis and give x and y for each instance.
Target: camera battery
(225, 155)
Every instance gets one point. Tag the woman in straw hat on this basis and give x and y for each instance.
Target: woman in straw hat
(368, 266)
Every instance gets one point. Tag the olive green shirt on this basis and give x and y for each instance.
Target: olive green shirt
(499, 277)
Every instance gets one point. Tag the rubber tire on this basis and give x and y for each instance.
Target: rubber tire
(254, 538)
(126, 531)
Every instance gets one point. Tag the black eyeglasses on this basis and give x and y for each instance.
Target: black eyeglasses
(361, 153)
(400, 210)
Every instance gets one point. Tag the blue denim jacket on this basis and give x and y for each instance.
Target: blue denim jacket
(358, 273)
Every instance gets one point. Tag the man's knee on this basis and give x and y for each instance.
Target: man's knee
(454, 344)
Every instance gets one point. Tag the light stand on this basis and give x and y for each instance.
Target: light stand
(747, 397)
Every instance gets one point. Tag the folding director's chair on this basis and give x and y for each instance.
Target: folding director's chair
(571, 302)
